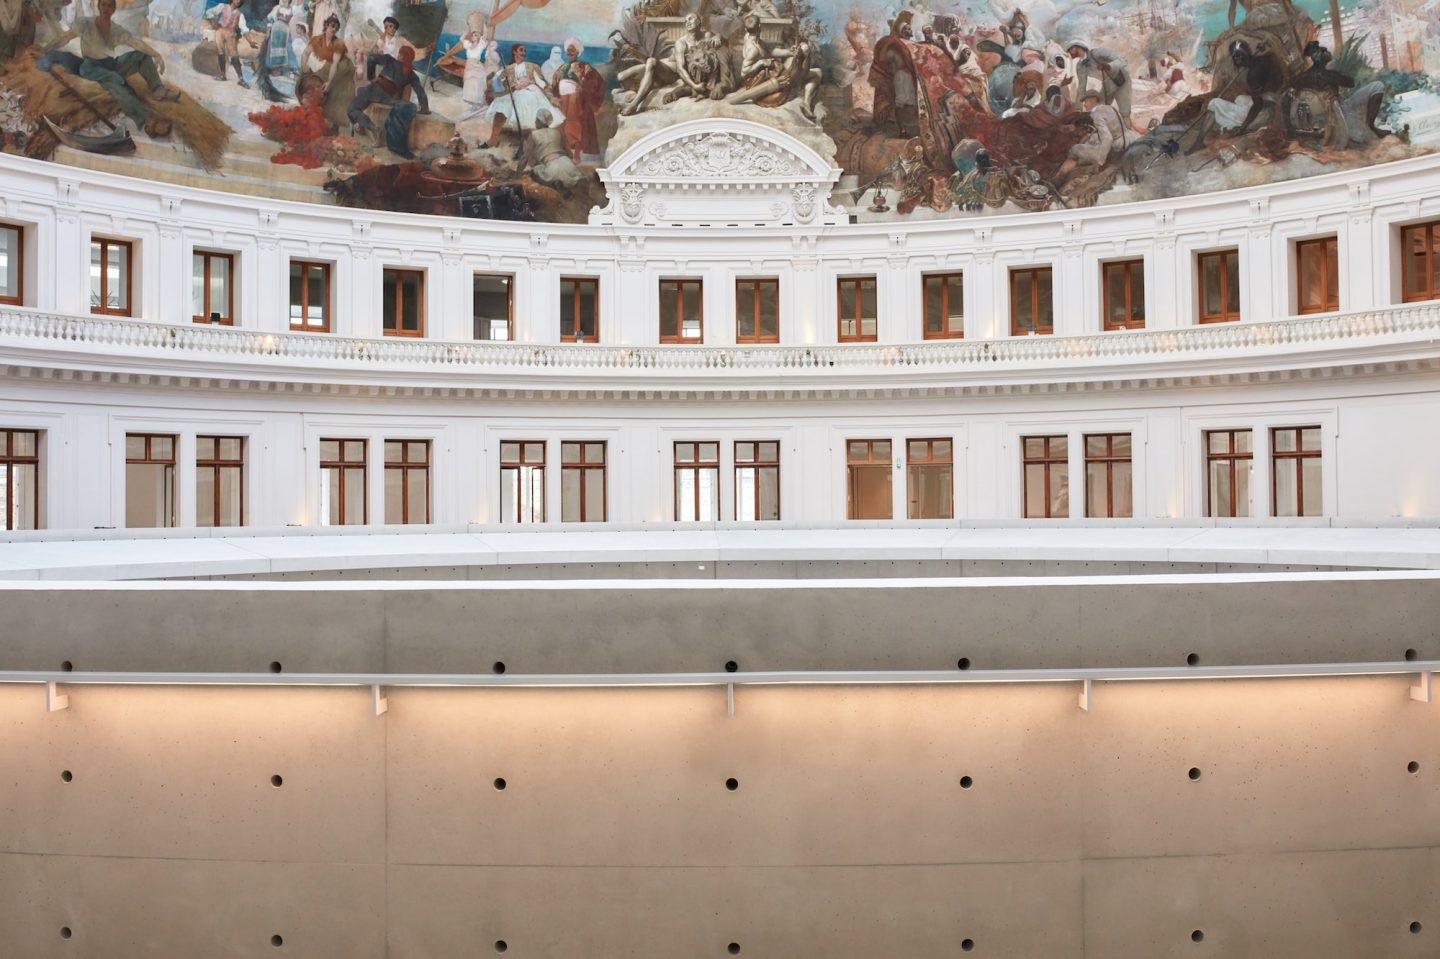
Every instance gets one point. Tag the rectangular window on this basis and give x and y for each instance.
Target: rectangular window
(1420, 262)
(757, 480)
(1219, 286)
(212, 288)
(868, 473)
(682, 312)
(579, 310)
(309, 296)
(403, 302)
(111, 272)
(757, 311)
(522, 481)
(930, 478)
(219, 481)
(582, 482)
(1032, 301)
(407, 482)
(12, 264)
(1295, 471)
(1317, 275)
(943, 295)
(1229, 456)
(1046, 461)
(1108, 476)
(149, 481)
(342, 483)
(855, 297)
(697, 482)
(493, 305)
(1123, 290)
(20, 479)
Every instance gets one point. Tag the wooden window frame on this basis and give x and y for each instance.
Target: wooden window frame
(1232, 457)
(1328, 263)
(509, 279)
(1276, 455)
(105, 244)
(1047, 459)
(681, 284)
(585, 467)
(930, 459)
(1131, 322)
(1224, 316)
(1109, 458)
(851, 498)
(857, 284)
(695, 467)
(1034, 273)
(149, 459)
(944, 280)
(575, 333)
(19, 298)
(218, 463)
(304, 326)
(400, 274)
(342, 464)
(757, 283)
(406, 466)
(756, 464)
(8, 461)
(519, 464)
(228, 318)
(1431, 261)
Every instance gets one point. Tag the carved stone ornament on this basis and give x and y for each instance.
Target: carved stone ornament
(803, 199)
(632, 201)
(719, 155)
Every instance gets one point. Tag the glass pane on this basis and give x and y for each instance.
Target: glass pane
(1416, 257)
(394, 496)
(532, 494)
(1034, 490)
(1059, 489)
(329, 450)
(1220, 488)
(1096, 446)
(232, 447)
(589, 318)
(769, 493)
(744, 452)
(1310, 438)
(297, 294)
(354, 497)
(690, 311)
(1120, 444)
(318, 281)
(197, 286)
(570, 496)
(10, 238)
(117, 276)
(394, 451)
(768, 452)
(1286, 487)
(509, 452)
(1059, 447)
(669, 309)
(1285, 440)
(162, 447)
(1137, 292)
(206, 447)
(955, 305)
(220, 286)
(685, 495)
(387, 298)
(491, 306)
(1243, 441)
(410, 285)
(570, 452)
(4, 443)
(1044, 307)
(1034, 447)
(1121, 493)
(709, 494)
(149, 496)
(1210, 301)
(1232, 282)
(880, 451)
(594, 496)
(1096, 490)
(25, 494)
(709, 452)
(746, 309)
(232, 510)
(1217, 441)
(534, 452)
(205, 496)
(418, 495)
(930, 492)
(940, 450)
(1243, 471)
(870, 492)
(934, 304)
(867, 305)
(594, 452)
(134, 447)
(1020, 301)
(1310, 474)
(684, 452)
(96, 276)
(770, 311)
(917, 450)
(1311, 277)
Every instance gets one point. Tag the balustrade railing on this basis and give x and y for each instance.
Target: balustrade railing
(118, 336)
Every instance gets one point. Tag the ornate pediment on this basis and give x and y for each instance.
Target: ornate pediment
(718, 171)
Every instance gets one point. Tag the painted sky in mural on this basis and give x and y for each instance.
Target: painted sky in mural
(504, 109)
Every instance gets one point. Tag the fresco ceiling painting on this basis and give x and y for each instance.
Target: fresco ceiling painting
(505, 109)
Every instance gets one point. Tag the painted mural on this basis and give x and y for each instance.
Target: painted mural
(505, 109)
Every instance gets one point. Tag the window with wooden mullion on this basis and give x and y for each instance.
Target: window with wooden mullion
(150, 481)
(344, 497)
(582, 481)
(1109, 476)
(1032, 301)
(697, 482)
(522, 481)
(930, 478)
(407, 482)
(1317, 275)
(1295, 471)
(1218, 286)
(943, 304)
(1228, 459)
(757, 310)
(757, 480)
(682, 311)
(219, 481)
(12, 264)
(212, 291)
(112, 272)
(868, 484)
(1123, 284)
(1045, 461)
(403, 292)
(20, 479)
(856, 309)
(1420, 262)
(579, 309)
(309, 296)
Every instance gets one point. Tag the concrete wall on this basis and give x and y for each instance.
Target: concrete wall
(849, 834)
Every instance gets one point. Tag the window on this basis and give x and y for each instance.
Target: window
(1046, 462)
(1295, 471)
(1108, 476)
(697, 482)
(493, 306)
(855, 296)
(1228, 460)
(1420, 262)
(403, 296)
(212, 288)
(407, 481)
(944, 302)
(309, 296)
(757, 480)
(149, 481)
(757, 311)
(342, 483)
(582, 482)
(1317, 275)
(1219, 286)
(1123, 291)
(579, 310)
(1032, 306)
(682, 312)
(20, 478)
(219, 481)
(12, 264)
(522, 481)
(930, 478)
(868, 489)
(111, 265)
